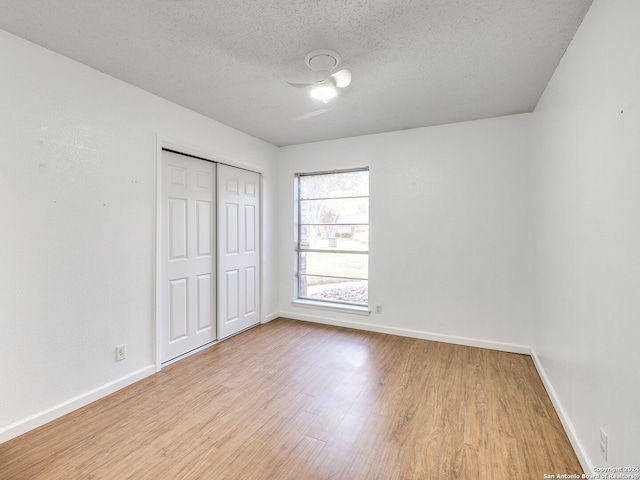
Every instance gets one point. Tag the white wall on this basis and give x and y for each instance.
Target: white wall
(587, 331)
(450, 234)
(78, 209)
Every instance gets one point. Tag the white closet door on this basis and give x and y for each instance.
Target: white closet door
(239, 250)
(188, 276)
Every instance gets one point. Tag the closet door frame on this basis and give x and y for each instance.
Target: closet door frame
(183, 147)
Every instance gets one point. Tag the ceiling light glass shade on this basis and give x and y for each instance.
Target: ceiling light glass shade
(324, 92)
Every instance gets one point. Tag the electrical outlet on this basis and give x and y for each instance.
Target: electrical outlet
(604, 443)
(378, 309)
(120, 352)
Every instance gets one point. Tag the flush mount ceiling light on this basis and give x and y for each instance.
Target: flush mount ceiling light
(323, 62)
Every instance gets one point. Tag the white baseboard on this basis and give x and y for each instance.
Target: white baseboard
(23, 426)
(271, 316)
(404, 332)
(574, 438)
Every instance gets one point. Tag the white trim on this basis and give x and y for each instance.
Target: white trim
(158, 263)
(405, 332)
(570, 430)
(332, 307)
(271, 316)
(34, 421)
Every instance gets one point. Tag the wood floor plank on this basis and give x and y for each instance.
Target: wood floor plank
(296, 400)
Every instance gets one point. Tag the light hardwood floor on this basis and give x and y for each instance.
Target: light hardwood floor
(295, 400)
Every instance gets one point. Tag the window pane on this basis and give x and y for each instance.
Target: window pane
(334, 289)
(349, 265)
(334, 211)
(339, 237)
(333, 219)
(332, 185)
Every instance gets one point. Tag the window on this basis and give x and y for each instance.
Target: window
(333, 236)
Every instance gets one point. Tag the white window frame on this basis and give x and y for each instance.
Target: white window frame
(328, 304)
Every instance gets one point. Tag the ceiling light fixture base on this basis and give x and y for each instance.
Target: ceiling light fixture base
(322, 60)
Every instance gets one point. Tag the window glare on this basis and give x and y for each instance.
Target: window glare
(335, 185)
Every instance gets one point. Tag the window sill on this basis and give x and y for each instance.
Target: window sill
(335, 307)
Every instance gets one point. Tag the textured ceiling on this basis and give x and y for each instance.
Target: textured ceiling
(415, 63)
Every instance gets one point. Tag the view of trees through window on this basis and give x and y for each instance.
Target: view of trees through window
(333, 236)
